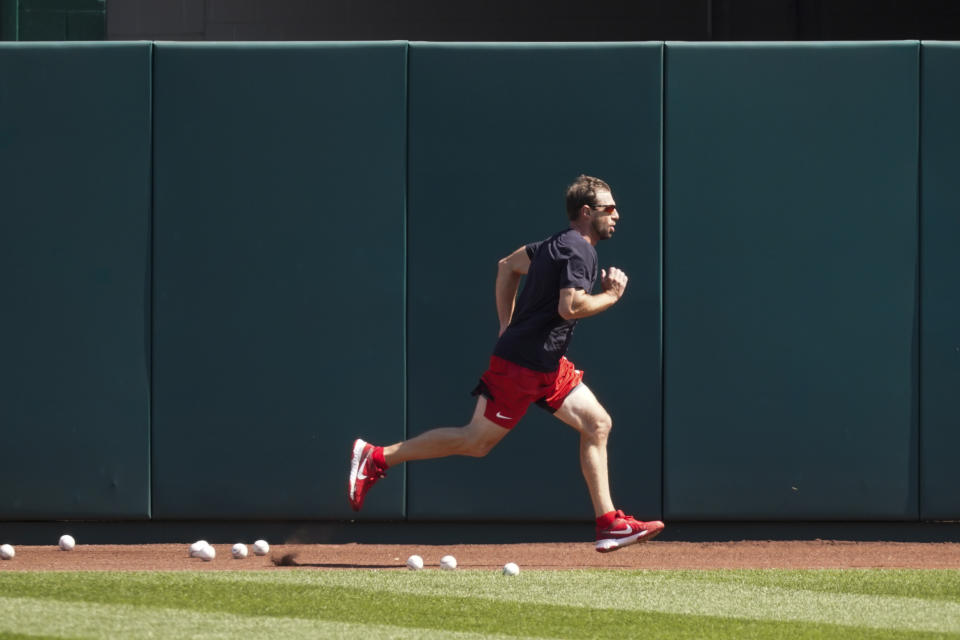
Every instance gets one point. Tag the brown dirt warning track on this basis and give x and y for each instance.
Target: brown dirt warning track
(815, 554)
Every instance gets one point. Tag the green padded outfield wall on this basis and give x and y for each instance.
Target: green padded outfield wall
(279, 234)
(940, 228)
(74, 281)
(790, 277)
(496, 134)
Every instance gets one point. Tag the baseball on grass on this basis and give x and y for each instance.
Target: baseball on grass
(195, 548)
(239, 551)
(448, 562)
(7, 552)
(67, 543)
(261, 548)
(207, 553)
(511, 569)
(414, 563)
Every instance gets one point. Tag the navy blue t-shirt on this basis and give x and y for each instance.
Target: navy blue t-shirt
(538, 336)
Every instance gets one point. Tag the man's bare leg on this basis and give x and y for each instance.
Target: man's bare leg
(476, 439)
(368, 463)
(582, 411)
(615, 530)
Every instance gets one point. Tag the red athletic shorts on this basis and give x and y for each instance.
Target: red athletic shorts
(510, 389)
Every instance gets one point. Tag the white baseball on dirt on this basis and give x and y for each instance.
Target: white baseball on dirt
(261, 548)
(448, 563)
(196, 546)
(67, 543)
(414, 563)
(511, 569)
(7, 552)
(207, 553)
(239, 551)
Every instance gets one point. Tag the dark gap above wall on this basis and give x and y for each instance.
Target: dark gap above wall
(526, 20)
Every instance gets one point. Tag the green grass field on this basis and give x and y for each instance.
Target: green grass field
(461, 604)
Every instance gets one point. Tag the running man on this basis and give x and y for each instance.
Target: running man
(528, 363)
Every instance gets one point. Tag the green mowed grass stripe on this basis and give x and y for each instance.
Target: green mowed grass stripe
(381, 600)
(687, 593)
(930, 584)
(21, 636)
(92, 620)
(110, 621)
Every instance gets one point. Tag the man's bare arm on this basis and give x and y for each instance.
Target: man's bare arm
(509, 272)
(577, 303)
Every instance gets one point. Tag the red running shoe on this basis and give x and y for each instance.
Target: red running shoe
(624, 531)
(364, 473)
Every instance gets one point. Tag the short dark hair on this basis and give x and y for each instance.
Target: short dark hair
(583, 191)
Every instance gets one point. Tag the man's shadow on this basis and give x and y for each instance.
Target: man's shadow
(290, 560)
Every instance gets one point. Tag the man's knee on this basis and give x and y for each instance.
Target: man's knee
(479, 440)
(599, 425)
(478, 448)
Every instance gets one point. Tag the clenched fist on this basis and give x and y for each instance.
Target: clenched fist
(614, 282)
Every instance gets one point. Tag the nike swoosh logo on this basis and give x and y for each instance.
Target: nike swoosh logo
(363, 462)
(626, 529)
(503, 417)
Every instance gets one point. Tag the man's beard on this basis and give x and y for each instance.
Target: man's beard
(603, 233)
